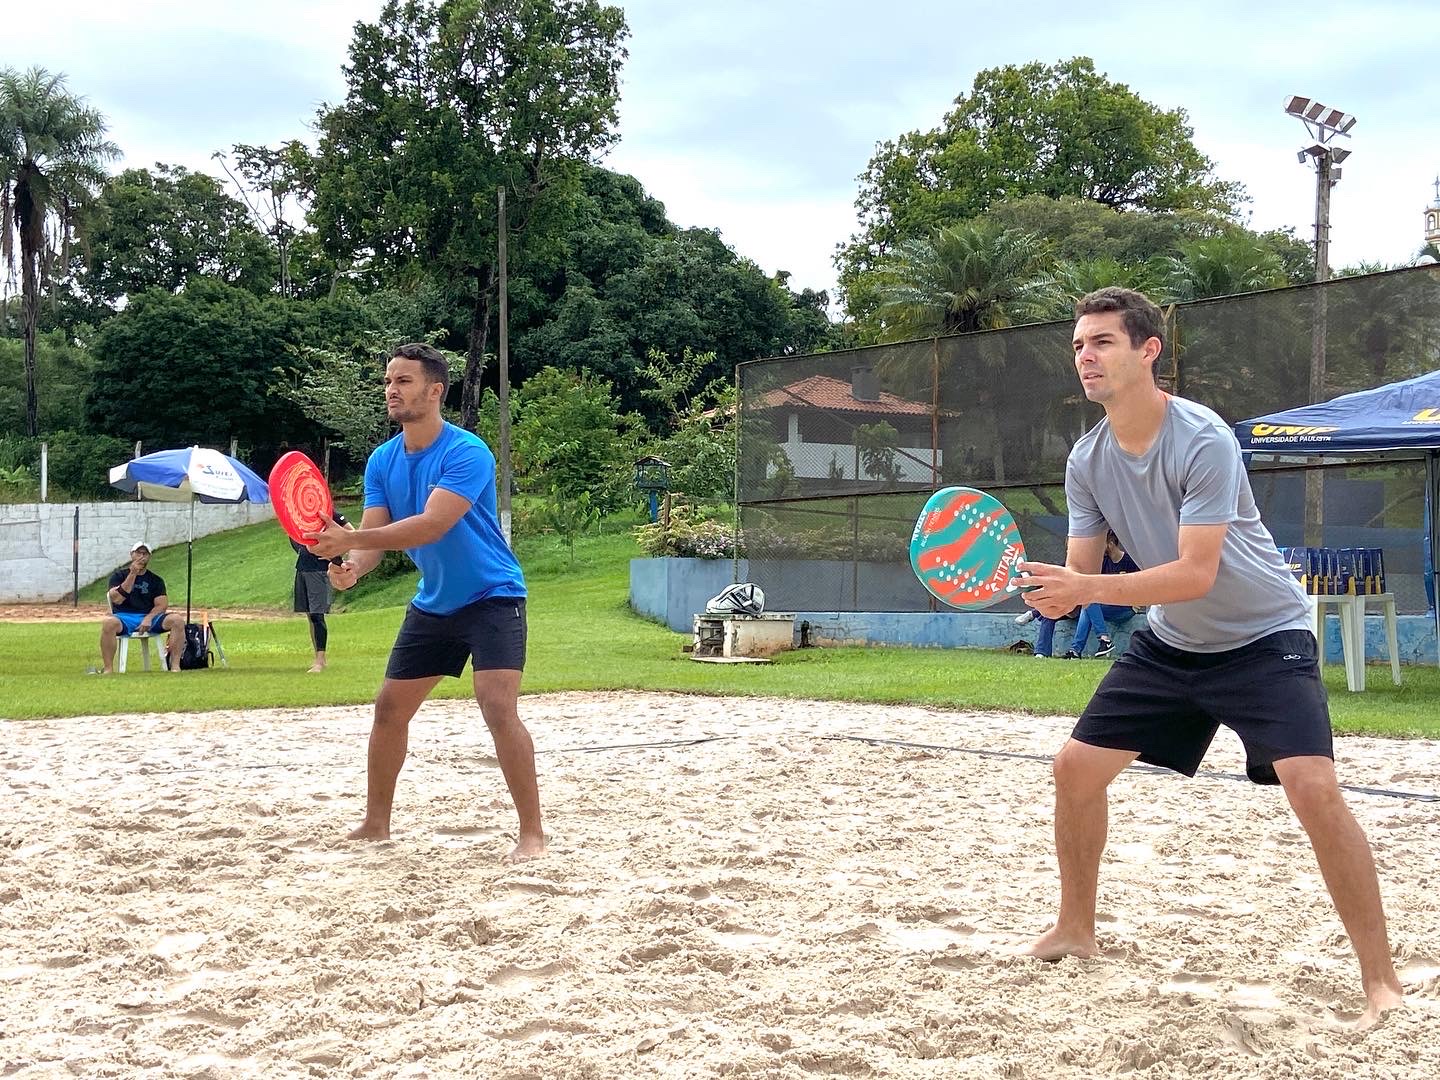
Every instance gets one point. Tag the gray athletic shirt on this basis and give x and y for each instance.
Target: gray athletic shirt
(1191, 475)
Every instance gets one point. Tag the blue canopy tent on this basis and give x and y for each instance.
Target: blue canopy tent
(1398, 419)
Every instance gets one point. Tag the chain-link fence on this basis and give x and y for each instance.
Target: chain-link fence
(839, 451)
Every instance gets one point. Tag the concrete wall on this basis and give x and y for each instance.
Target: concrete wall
(37, 539)
(675, 590)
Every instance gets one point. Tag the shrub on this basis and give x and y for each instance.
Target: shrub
(80, 464)
(687, 536)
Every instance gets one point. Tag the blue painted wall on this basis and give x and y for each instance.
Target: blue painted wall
(672, 591)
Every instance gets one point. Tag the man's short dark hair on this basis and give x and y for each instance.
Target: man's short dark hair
(437, 368)
(1143, 320)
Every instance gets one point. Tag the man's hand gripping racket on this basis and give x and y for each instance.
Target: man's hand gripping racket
(966, 549)
(301, 499)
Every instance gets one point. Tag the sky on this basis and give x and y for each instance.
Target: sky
(755, 117)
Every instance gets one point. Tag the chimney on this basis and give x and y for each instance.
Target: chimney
(864, 385)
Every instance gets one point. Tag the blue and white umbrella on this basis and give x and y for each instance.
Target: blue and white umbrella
(194, 474)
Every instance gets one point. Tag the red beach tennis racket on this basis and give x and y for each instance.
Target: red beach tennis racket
(965, 549)
(301, 498)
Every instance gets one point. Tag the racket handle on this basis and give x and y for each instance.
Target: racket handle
(339, 519)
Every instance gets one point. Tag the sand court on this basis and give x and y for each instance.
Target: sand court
(735, 887)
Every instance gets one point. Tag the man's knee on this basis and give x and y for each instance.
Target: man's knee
(1310, 785)
(1080, 769)
(498, 700)
(111, 625)
(399, 700)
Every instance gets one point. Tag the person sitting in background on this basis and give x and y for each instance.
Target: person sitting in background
(1045, 634)
(1094, 616)
(138, 605)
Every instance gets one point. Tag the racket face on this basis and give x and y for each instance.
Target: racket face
(300, 496)
(965, 549)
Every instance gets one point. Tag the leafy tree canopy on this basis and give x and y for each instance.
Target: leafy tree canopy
(159, 229)
(200, 366)
(446, 103)
(1033, 129)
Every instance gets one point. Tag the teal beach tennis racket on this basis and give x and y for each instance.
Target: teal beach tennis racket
(965, 549)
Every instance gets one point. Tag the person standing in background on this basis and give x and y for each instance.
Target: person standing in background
(313, 594)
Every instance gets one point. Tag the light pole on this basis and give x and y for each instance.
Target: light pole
(1323, 124)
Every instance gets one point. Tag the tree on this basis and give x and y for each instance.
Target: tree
(698, 424)
(52, 157)
(1222, 266)
(340, 387)
(1059, 130)
(202, 366)
(957, 280)
(1079, 229)
(271, 178)
(161, 229)
(446, 102)
(571, 438)
(64, 369)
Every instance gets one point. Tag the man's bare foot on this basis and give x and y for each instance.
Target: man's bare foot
(1053, 945)
(314, 669)
(1381, 1000)
(366, 831)
(527, 848)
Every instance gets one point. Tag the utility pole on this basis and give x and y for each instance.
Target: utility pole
(502, 480)
(1323, 124)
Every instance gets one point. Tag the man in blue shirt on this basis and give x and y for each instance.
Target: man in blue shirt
(430, 492)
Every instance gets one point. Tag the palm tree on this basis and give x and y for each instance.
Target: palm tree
(52, 156)
(972, 276)
(1080, 278)
(1222, 266)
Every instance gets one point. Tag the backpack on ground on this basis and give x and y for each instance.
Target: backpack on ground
(196, 652)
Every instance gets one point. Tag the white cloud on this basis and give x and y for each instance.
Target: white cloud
(755, 117)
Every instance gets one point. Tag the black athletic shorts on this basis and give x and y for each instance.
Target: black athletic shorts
(490, 633)
(1167, 703)
(312, 592)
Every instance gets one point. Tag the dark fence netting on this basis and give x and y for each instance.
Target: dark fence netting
(839, 451)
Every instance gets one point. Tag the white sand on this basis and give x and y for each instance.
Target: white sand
(175, 901)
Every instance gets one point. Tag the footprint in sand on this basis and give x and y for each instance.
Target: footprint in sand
(462, 836)
(171, 945)
(739, 937)
(512, 975)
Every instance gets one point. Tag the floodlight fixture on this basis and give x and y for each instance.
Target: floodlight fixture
(1323, 122)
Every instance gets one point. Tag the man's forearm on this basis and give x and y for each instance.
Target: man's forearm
(1170, 583)
(414, 531)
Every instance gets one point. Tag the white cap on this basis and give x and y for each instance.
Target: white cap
(138, 545)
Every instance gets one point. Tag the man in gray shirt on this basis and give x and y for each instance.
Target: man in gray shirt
(1228, 641)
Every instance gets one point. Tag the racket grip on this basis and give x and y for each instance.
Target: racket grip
(339, 519)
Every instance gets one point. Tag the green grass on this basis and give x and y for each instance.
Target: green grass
(583, 636)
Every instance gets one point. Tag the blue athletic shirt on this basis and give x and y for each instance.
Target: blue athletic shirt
(471, 561)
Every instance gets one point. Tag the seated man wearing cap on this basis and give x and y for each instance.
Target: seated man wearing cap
(138, 605)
